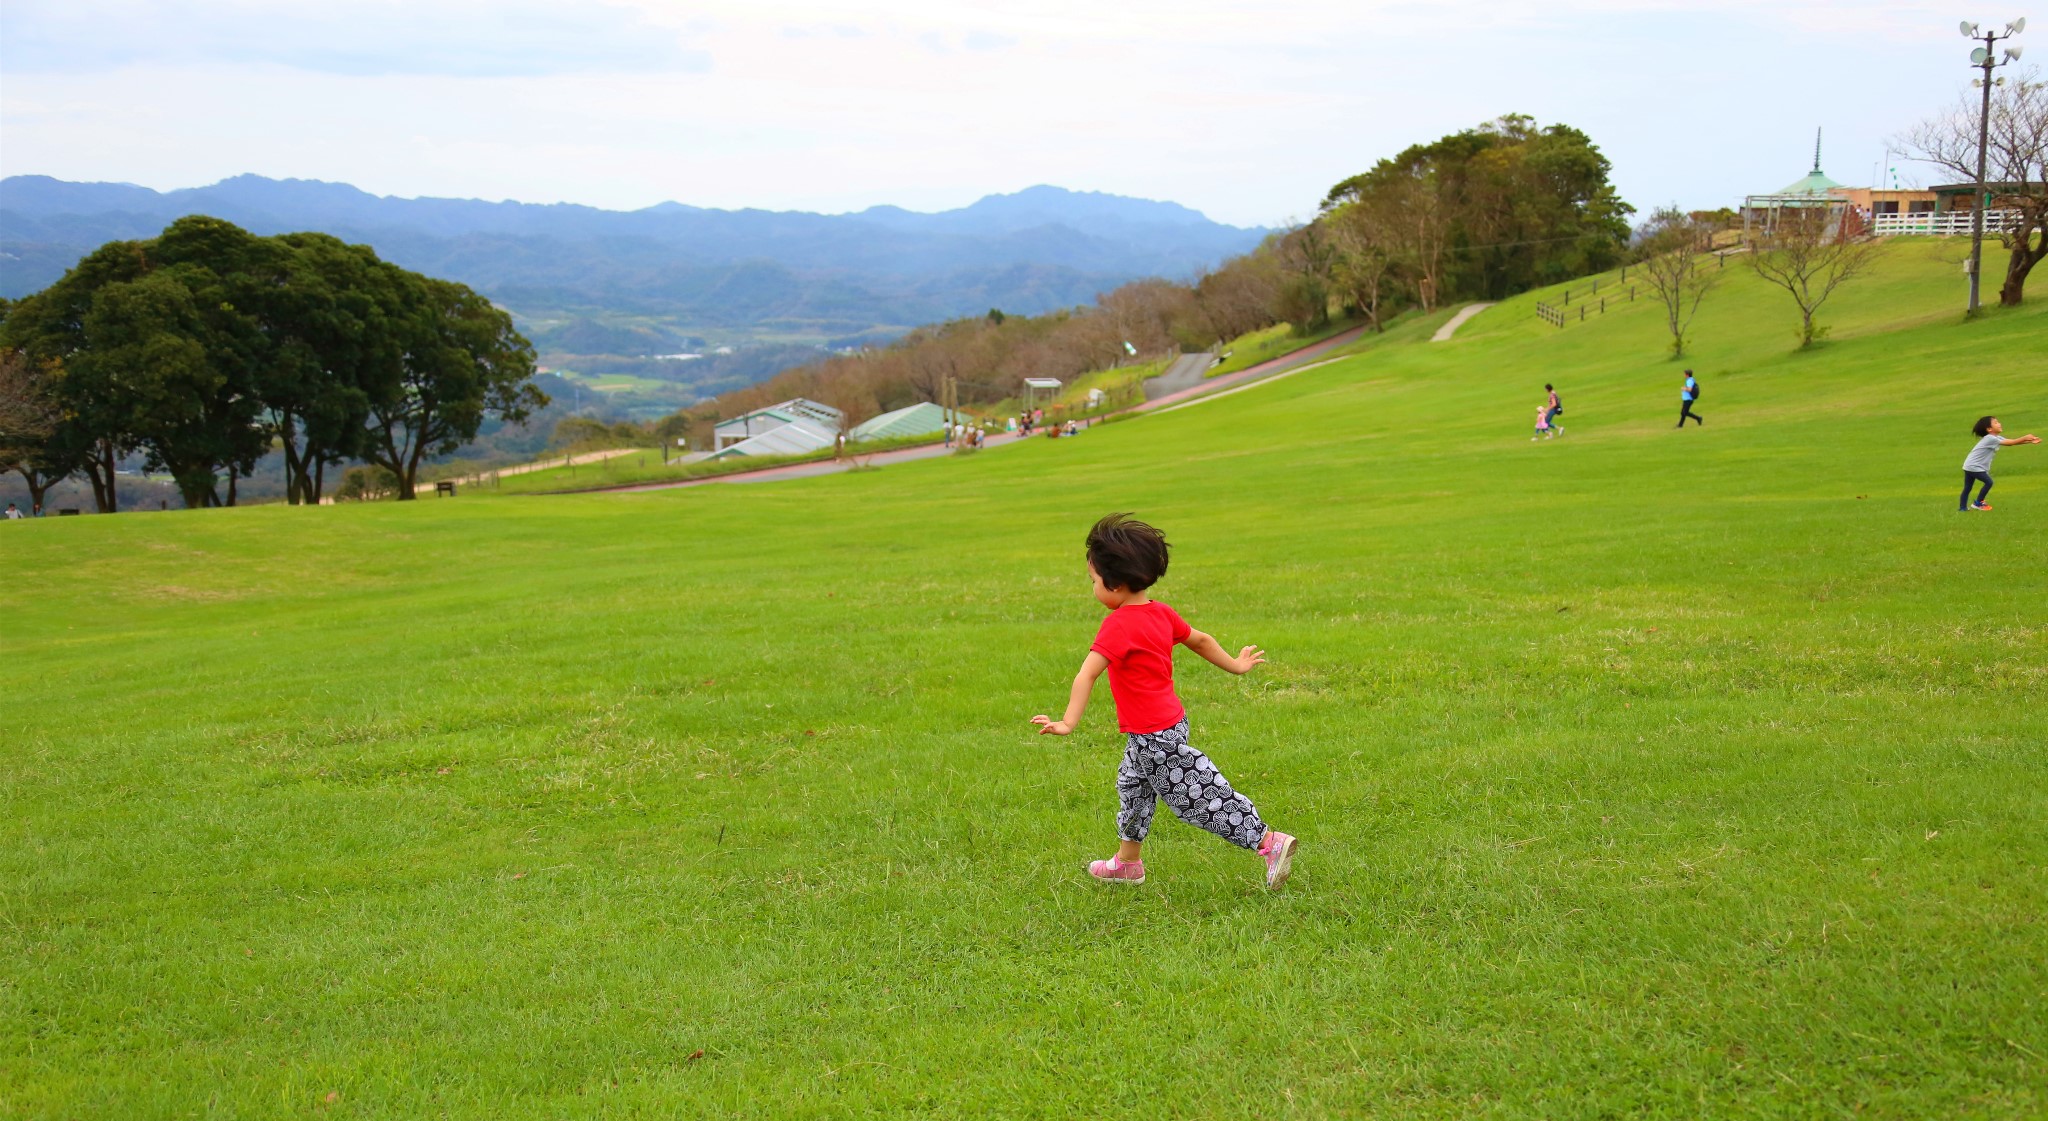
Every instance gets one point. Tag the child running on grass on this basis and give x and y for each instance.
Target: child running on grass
(1977, 466)
(1542, 423)
(1135, 644)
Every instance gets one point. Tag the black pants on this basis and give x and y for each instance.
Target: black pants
(1685, 410)
(1969, 477)
(1164, 766)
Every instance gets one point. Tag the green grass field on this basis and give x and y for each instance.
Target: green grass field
(1639, 773)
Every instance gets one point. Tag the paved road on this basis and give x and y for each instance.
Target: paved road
(1186, 372)
(1444, 333)
(1243, 377)
(1281, 364)
(824, 466)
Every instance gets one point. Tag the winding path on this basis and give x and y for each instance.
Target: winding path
(1444, 333)
(1286, 363)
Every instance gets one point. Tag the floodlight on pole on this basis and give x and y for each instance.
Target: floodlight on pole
(1986, 59)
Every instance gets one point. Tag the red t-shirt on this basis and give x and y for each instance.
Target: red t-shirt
(1138, 640)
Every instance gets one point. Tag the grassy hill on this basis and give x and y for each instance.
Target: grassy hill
(1640, 773)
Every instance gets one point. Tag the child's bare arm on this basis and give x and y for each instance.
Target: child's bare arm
(1077, 700)
(1209, 648)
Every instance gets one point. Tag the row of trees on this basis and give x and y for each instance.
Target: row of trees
(1482, 214)
(206, 347)
(1810, 252)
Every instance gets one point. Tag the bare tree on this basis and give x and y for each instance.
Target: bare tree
(2016, 165)
(1363, 234)
(1419, 196)
(1808, 255)
(1676, 268)
(29, 415)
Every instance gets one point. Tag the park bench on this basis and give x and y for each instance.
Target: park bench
(445, 486)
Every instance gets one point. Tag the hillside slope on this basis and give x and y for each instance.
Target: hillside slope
(1641, 773)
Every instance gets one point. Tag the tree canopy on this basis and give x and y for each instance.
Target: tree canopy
(206, 346)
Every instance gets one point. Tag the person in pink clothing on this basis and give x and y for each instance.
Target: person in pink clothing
(1542, 423)
(1135, 647)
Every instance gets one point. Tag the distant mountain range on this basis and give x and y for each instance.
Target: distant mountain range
(670, 277)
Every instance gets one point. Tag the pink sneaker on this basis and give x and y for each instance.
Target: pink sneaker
(1117, 873)
(1278, 849)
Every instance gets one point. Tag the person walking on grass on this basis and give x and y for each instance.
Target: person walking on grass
(1977, 466)
(1687, 396)
(1135, 645)
(1542, 424)
(1553, 408)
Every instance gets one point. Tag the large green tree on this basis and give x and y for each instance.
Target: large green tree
(207, 346)
(335, 324)
(49, 332)
(462, 361)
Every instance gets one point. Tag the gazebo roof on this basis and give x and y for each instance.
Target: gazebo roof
(1814, 182)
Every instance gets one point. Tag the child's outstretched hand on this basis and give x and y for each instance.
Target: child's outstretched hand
(1247, 658)
(1047, 726)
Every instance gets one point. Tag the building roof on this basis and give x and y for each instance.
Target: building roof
(1814, 182)
(794, 438)
(917, 420)
(794, 409)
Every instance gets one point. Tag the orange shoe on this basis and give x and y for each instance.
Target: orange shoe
(1980, 506)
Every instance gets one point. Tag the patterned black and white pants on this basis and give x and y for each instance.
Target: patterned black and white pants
(1161, 766)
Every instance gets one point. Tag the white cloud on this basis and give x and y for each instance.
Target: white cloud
(1246, 112)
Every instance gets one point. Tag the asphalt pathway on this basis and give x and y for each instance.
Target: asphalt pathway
(1444, 333)
(1246, 376)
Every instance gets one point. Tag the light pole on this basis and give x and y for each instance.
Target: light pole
(1985, 58)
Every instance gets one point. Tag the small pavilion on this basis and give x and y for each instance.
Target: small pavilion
(1812, 191)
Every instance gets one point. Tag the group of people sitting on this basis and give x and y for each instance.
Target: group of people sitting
(965, 435)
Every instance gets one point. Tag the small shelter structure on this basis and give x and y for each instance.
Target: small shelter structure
(760, 422)
(921, 419)
(1812, 191)
(798, 437)
(1034, 386)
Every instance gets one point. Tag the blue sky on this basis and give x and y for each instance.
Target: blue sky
(1247, 112)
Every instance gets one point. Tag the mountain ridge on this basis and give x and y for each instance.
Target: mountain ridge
(730, 275)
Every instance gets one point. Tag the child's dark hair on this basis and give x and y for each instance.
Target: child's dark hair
(1127, 553)
(1982, 428)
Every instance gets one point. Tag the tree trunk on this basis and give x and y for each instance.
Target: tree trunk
(113, 496)
(408, 480)
(232, 475)
(99, 471)
(101, 500)
(37, 486)
(2025, 255)
(319, 482)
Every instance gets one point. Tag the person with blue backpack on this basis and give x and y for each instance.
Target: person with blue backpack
(1686, 397)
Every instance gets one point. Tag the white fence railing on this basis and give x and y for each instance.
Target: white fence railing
(1948, 223)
